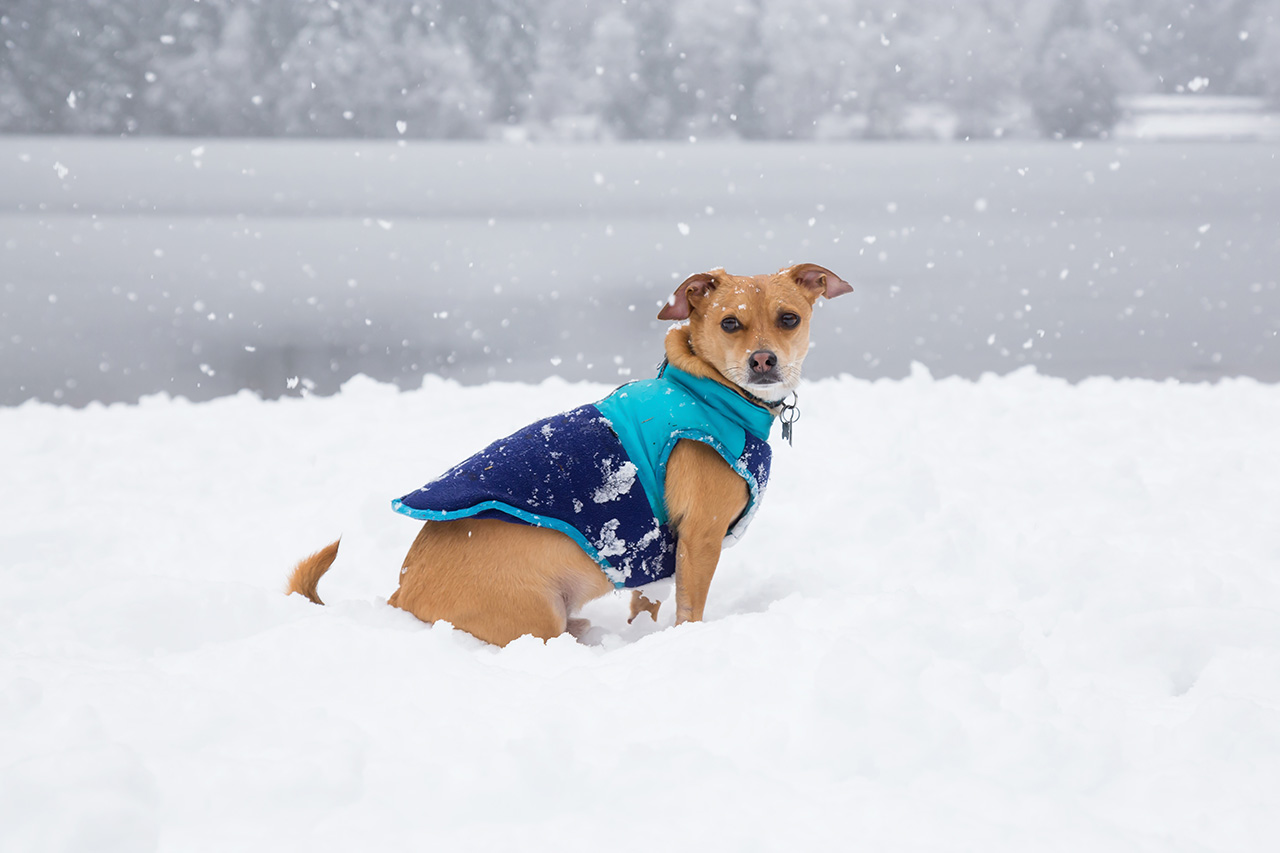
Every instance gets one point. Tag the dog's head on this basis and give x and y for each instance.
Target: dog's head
(754, 329)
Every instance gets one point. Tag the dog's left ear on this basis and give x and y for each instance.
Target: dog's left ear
(677, 307)
(819, 281)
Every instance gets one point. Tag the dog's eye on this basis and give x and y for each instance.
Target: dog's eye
(730, 324)
(788, 321)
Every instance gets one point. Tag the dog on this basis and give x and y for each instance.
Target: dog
(648, 483)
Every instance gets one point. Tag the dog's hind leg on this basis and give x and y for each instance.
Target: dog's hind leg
(497, 580)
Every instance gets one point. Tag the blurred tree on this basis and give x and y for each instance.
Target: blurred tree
(652, 114)
(712, 75)
(979, 58)
(78, 67)
(756, 69)
(16, 113)
(372, 69)
(1070, 88)
(631, 70)
(841, 68)
(1179, 42)
(501, 39)
(1260, 73)
(810, 49)
(616, 91)
(916, 45)
(588, 71)
(1072, 84)
(218, 71)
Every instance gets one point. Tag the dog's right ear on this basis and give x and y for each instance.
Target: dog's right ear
(819, 281)
(695, 286)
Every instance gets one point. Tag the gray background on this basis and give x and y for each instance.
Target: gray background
(199, 269)
(199, 198)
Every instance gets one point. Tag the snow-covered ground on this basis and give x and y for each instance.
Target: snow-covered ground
(1011, 614)
(1196, 118)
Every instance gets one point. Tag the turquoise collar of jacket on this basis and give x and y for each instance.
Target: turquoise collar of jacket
(755, 418)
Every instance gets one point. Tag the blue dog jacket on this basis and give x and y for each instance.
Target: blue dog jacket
(598, 473)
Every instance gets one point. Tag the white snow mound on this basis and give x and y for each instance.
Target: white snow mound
(1005, 615)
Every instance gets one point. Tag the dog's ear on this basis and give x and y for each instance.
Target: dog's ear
(819, 280)
(696, 286)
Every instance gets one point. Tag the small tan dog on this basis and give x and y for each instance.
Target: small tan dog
(735, 362)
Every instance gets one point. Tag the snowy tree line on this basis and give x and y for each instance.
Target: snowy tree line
(621, 69)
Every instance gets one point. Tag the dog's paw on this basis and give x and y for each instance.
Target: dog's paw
(640, 604)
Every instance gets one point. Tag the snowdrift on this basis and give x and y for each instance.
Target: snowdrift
(1012, 614)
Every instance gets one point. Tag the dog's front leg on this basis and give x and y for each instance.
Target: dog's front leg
(696, 559)
(704, 497)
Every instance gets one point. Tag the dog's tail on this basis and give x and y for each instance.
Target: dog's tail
(306, 575)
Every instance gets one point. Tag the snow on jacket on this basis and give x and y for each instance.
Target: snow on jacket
(598, 473)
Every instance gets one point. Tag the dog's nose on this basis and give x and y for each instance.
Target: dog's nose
(762, 361)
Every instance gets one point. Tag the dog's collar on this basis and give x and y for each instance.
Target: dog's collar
(737, 389)
(787, 413)
(762, 402)
(753, 413)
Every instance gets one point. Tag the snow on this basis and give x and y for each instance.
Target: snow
(1181, 118)
(1010, 614)
(618, 480)
(609, 545)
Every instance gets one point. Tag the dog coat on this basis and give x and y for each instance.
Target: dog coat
(598, 473)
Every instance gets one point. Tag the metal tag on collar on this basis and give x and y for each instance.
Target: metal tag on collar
(789, 415)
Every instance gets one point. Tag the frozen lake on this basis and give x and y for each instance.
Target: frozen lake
(129, 267)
